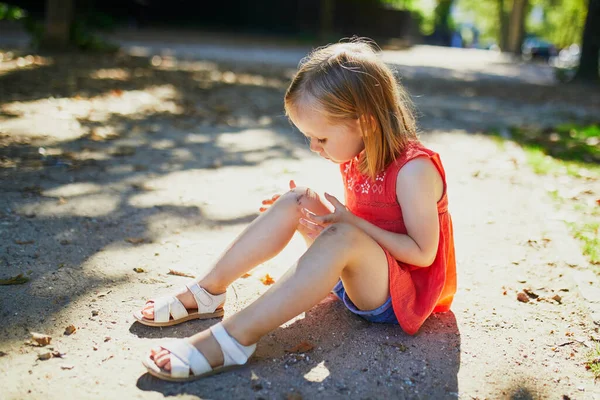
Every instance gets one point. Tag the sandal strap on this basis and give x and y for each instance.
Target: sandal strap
(184, 357)
(166, 306)
(206, 302)
(233, 352)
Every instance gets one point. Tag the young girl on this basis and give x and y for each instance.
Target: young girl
(388, 253)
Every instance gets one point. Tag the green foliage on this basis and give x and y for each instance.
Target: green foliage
(82, 35)
(567, 142)
(84, 39)
(484, 15)
(593, 362)
(420, 11)
(563, 21)
(11, 13)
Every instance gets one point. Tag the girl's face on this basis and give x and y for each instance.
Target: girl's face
(338, 142)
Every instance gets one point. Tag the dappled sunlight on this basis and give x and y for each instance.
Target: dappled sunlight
(9, 62)
(74, 190)
(318, 373)
(209, 73)
(92, 205)
(249, 140)
(235, 187)
(61, 119)
(116, 74)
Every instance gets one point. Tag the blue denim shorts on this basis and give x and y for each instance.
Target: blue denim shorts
(383, 314)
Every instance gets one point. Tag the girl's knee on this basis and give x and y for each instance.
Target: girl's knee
(300, 197)
(343, 233)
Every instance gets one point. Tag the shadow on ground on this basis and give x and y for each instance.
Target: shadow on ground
(343, 363)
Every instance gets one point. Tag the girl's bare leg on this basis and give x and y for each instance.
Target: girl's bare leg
(263, 239)
(340, 251)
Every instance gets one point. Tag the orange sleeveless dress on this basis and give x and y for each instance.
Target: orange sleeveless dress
(416, 292)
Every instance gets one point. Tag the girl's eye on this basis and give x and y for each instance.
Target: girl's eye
(321, 140)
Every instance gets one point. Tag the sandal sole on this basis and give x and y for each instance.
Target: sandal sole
(192, 316)
(157, 372)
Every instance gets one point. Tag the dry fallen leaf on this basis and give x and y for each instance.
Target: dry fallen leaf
(67, 366)
(530, 293)
(45, 356)
(179, 273)
(2, 354)
(134, 240)
(57, 354)
(267, 280)
(40, 338)
(61, 201)
(557, 298)
(302, 347)
(15, 280)
(70, 329)
(398, 345)
(522, 297)
(24, 241)
(139, 270)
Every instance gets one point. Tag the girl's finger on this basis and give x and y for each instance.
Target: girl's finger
(275, 197)
(333, 200)
(310, 225)
(267, 201)
(314, 217)
(263, 209)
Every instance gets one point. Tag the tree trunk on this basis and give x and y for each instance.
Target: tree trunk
(503, 33)
(59, 15)
(516, 29)
(326, 19)
(442, 14)
(590, 46)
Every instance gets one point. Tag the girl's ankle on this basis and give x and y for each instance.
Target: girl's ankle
(212, 289)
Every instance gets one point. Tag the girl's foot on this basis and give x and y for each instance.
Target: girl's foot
(191, 302)
(205, 343)
(206, 353)
(184, 296)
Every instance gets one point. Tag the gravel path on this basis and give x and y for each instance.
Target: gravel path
(171, 183)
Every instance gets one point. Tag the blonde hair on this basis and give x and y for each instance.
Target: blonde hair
(347, 81)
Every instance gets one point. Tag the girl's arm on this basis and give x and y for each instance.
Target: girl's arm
(419, 186)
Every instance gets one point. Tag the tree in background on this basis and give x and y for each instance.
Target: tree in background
(59, 19)
(562, 21)
(516, 26)
(590, 47)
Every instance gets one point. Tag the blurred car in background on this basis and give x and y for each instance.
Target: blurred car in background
(536, 48)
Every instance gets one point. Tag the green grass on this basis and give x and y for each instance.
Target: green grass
(569, 142)
(589, 235)
(567, 150)
(543, 164)
(593, 363)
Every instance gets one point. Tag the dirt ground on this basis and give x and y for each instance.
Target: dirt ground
(110, 164)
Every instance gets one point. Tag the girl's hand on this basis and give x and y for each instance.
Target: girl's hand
(316, 223)
(269, 202)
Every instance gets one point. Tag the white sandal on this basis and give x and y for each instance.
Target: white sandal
(167, 306)
(188, 364)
